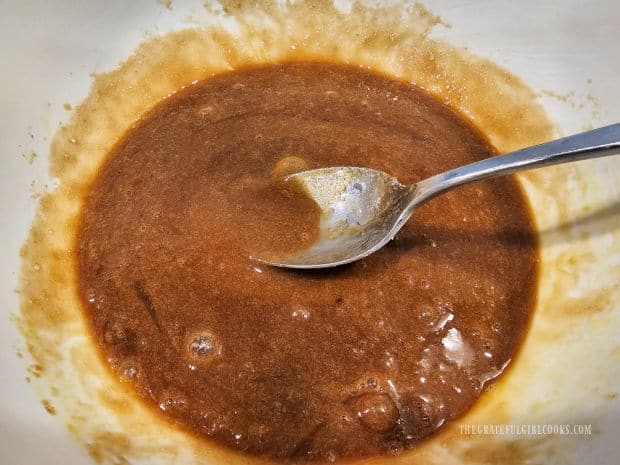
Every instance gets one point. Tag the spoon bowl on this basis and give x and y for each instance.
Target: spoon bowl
(359, 207)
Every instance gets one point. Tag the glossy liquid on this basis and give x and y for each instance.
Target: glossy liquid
(361, 360)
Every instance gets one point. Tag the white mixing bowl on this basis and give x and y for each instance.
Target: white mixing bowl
(568, 371)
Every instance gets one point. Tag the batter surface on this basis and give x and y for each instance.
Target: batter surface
(356, 361)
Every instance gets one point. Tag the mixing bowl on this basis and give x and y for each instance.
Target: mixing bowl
(558, 403)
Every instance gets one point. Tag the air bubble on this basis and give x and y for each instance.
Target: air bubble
(425, 410)
(376, 411)
(301, 313)
(390, 362)
(203, 347)
(129, 372)
(395, 448)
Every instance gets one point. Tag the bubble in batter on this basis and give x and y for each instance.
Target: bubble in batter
(301, 314)
(203, 347)
(376, 411)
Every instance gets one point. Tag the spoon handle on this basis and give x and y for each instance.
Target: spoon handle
(599, 142)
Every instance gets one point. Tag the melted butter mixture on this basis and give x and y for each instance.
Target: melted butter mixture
(357, 361)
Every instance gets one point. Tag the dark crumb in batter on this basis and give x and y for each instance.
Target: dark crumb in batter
(362, 360)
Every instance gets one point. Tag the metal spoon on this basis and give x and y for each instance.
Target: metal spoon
(362, 209)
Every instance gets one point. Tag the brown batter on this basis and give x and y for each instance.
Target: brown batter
(361, 360)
